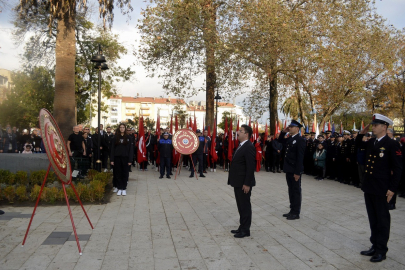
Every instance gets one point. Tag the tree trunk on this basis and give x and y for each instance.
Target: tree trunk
(64, 102)
(210, 40)
(273, 101)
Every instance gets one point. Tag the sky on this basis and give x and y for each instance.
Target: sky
(392, 10)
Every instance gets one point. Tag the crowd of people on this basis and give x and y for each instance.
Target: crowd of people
(26, 142)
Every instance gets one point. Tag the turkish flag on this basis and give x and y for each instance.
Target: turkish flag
(141, 155)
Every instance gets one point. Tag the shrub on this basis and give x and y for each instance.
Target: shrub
(37, 177)
(52, 194)
(71, 194)
(6, 177)
(98, 189)
(44, 194)
(21, 192)
(91, 173)
(61, 195)
(3, 176)
(9, 193)
(103, 177)
(21, 178)
(34, 193)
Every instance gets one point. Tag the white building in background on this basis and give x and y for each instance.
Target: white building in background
(121, 108)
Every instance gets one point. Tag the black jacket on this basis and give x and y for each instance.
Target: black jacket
(108, 140)
(165, 147)
(242, 169)
(383, 165)
(121, 149)
(294, 153)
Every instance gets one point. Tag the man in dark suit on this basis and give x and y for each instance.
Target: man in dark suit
(242, 178)
(382, 175)
(293, 166)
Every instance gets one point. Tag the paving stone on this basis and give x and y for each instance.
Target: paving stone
(60, 235)
(185, 224)
(54, 241)
(82, 237)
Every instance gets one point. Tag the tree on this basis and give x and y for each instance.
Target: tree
(33, 90)
(40, 50)
(63, 15)
(227, 115)
(180, 41)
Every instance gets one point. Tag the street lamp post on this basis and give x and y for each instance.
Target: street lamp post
(217, 97)
(100, 65)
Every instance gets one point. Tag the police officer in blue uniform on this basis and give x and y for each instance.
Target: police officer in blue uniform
(165, 147)
(198, 155)
(293, 166)
(382, 175)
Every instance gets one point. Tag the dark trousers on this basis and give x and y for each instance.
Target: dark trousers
(294, 193)
(200, 163)
(330, 167)
(121, 171)
(244, 208)
(275, 165)
(205, 161)
(268, 162)
(143, 165)
(151, 154)
(96, 166)
(115, 183)
(165, 163)
(340, 169)
(104, 158)
(380, 221)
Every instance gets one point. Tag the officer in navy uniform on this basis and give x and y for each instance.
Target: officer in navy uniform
(382, 175)
(345, 151)
(308, 157)
(165, 148)
(331, 157)
(198, 155)
(340, 159)
(293, 166)
(354, 170)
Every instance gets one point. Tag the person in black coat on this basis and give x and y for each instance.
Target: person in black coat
(198, 155)
(242, 178)
(108, 138)
(382, 175)
(122, 151)
(269, 153)
(277, 147)
(293, 166)
(165, 148)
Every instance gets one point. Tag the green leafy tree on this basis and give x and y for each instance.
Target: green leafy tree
(40, 50)
(33, 90)
(227, 115)
(63, 14)
(180, 41)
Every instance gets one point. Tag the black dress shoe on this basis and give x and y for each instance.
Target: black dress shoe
(171, 173)
(241, 234)
(235, 231)
(378, 258)
(369, 252)
(168, 177)
(287, 215)
(201, 175)
(160, 177)
(1, 212)
(191, 176)
(292, 217)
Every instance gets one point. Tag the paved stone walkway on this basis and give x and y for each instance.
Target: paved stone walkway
(185, 224)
